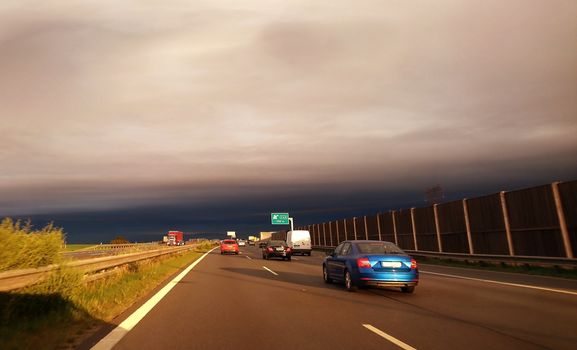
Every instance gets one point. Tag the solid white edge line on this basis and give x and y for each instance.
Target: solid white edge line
(390, 338)
(269, 270)
(110, 340)
(503, 283)
(248, 257)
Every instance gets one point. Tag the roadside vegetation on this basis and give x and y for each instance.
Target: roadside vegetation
(554, 271)
(24, 247)
(63, 310)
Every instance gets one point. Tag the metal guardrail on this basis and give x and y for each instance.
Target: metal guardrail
(111, 249)
(16, 279)
(323, 248)
(119, 246)
(495, 259)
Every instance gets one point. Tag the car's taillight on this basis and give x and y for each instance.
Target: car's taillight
(413, 264)
(288, 249)
(364, 263)
(269, 249)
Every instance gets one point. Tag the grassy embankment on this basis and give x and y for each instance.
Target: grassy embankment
(61, 311)
(555, 271)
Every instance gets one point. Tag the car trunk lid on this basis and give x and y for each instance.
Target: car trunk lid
(384, 263)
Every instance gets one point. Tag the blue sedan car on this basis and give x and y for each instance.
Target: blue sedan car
(371, 264)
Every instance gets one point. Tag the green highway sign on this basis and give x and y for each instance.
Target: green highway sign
(279, 218)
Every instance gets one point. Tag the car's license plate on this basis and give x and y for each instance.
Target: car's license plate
(280, 249)
(393, 264)
(296, 245)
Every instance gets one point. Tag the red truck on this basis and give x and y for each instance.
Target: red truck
(175, 238)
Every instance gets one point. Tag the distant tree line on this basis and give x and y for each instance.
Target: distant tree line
(119, 240)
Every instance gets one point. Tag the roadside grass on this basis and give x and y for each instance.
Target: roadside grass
(555, 271)
(25, 247)
(107, 299)
(62, 311)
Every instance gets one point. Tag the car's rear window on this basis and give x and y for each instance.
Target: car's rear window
(229, 242)
(379, 248)
(277, 243)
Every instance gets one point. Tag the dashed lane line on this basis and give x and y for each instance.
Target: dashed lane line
(269, 270)
(390, 338)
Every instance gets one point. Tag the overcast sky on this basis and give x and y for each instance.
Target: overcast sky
(113, 105)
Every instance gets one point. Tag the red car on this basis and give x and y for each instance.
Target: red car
(228, 246)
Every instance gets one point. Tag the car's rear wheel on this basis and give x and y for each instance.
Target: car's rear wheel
(349, 284)
(288, 258)
(326, 275)
(408, 289)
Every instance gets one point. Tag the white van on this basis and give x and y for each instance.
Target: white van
(299, 241)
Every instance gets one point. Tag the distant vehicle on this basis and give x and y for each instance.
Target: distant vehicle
(276, 249)
(262, 244)
(175, 238)
(241, 242)
(229, 246)
(299, 241)
(251, 243)
(231, 234)
(371, 264)
(265, 235)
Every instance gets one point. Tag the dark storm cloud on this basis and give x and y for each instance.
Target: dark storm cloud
(247, 215)
(118, 105)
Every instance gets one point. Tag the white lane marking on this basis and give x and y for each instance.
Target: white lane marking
(119, 332)
(269, 270)
(503, 283)
(248, 257)
(390, 338)
(296, 259)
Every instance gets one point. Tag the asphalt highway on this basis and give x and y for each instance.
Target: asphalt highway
(245, 302)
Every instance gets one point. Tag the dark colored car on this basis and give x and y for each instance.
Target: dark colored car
(277, 249)
(371, 264)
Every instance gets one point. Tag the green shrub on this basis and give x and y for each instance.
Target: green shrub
(204, 246)
(23, 247)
